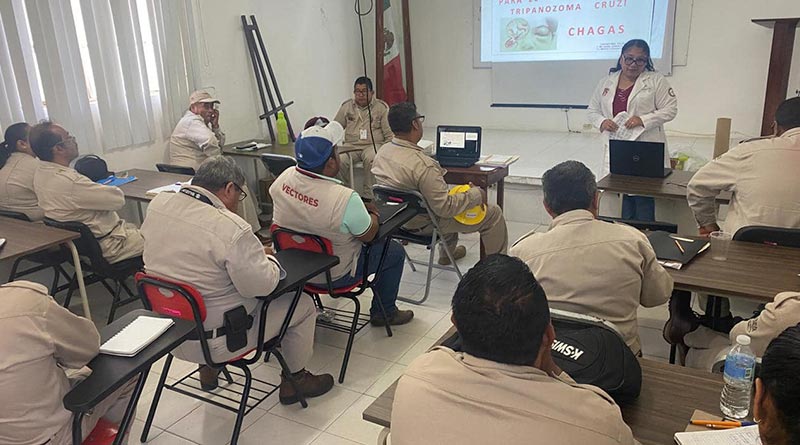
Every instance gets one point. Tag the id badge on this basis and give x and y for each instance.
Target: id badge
(362, 134)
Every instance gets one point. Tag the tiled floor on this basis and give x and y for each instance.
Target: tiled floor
(376, 362)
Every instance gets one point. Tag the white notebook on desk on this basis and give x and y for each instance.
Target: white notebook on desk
(746, 435)
(136, 336)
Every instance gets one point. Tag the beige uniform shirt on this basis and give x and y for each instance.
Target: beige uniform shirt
(763, 177)
(596, 268)
(709, 347)
(192, 141)
(403, 164)
(355, 121)
(38, 338)
(66, 195)
(213, 249)
(16, 186)
(445, 397)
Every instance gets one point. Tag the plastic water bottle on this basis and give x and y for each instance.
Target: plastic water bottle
(740, 366)
(283, 129)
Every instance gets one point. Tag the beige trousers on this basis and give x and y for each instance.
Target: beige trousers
(297, 345)
(248, 211)
(494, 234)
(367, 156)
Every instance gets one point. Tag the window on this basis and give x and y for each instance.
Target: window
(98, 67)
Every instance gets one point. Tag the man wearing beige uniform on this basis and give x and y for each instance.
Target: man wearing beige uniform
(504, 387)
(40, 340)
(403, 164)
(762, 176)
(192, 142)
(66, 195)
(589, 266)
(708, 347)
(359, 130)
(195, 237)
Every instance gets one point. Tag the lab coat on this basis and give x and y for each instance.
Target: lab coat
(652, 99)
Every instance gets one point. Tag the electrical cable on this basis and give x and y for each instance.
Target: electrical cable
(359, 14)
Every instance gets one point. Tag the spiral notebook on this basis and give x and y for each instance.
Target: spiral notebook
(136, 336)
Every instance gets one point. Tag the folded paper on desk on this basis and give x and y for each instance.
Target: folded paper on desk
(169, 188)
(136, 336)
(668, 251)
(251, 146)
(497, 160)
(746, 435)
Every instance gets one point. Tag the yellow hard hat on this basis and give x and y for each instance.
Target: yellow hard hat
(472, 216)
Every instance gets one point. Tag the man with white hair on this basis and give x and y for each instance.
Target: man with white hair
(194, 236)
(198, 137)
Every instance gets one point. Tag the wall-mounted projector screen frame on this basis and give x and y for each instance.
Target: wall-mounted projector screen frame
(565, 83)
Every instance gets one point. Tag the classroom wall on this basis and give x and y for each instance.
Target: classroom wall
(725, 74)
(314, 48)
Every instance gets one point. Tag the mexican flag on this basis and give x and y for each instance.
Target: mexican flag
(393, 90)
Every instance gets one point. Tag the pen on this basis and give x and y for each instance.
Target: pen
(685, 240)
(721, 423)
(679, 246)
(108, 181)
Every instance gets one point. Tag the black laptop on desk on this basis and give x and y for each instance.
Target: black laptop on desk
(637, 158)
(458, 146)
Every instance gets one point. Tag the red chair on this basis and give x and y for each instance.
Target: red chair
(180, 300)
(350, 322)
(104, 433)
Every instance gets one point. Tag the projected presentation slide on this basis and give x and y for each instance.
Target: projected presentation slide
(548, 30)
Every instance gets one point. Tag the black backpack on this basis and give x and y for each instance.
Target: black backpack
(592, 352)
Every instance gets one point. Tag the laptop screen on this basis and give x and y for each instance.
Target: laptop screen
(458, 141)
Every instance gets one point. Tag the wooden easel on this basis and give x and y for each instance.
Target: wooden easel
(780, 62)
(260, 59)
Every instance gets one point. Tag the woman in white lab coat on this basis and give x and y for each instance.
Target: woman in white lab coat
(634, 87)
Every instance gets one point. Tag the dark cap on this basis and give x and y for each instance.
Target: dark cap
(93, 167)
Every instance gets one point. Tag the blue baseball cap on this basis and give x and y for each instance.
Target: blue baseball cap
(315, 144)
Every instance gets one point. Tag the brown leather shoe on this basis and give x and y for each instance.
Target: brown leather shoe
(682, 319)
(399, 317)
(209, 380)
(309, 384)
(458, 253)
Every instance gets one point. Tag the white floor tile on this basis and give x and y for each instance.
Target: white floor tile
(274, 429)
(211, 425)
(440, 328)
(321, 411)
(653, 317)
(375, 343)
(653, 343)
(362, 371)
(438, 299)
(330, 439)
(424, 320)
(136, 432)
(351, 426)
(419, 348)
(166, 438)
(171, 408)
(386, 380)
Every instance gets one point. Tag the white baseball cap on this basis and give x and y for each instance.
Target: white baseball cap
(315, 144)
(201, 96)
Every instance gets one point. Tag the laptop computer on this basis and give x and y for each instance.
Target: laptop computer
(458, 146)
(637, 158)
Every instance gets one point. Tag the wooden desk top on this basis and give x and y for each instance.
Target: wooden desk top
(752, 270)
(482, 176)
(148, 180)
(669, 396)
(287, 150)
(671, 187)
(24, 238)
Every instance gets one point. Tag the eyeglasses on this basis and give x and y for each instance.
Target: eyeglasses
(243, 195)
(421, 119)
(631, 60)
(360, 92)
(67, 140)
